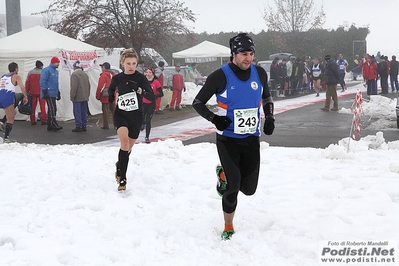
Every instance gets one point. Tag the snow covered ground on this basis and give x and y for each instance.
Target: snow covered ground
(59, 204)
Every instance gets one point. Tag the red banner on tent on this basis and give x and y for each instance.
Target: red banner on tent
(88, 60)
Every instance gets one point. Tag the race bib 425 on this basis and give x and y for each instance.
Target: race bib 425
(128, 101)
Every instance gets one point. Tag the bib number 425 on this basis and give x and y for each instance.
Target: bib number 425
(128, 102)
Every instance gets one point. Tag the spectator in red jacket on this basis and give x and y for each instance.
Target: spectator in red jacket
(178, 88)
(32, 86)
(102, 93)
(370, 70)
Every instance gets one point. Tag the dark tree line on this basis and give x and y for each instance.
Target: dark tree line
(317, 42)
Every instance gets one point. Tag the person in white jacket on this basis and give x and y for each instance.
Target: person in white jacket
(289, 73)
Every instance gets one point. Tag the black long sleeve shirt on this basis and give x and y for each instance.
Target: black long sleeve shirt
(216, 83)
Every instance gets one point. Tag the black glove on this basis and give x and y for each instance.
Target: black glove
(111, 98)
(268, 127)
(59, 96)
(184, 89)
(221, 122)
(133, 85)
(45, 94)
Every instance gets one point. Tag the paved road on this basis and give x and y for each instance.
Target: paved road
(309, 126)
(306, 126)
(24, 132)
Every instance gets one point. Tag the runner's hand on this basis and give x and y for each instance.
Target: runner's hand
(268, 127)
(111, 98)
(221, 122)
(133, 85)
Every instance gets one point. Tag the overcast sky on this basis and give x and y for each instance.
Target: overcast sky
(237, 15)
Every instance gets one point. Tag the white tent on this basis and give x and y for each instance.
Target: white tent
(203, 52)
(38, 43)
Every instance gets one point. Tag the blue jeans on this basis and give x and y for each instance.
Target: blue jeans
(394, 83)
(80, 113)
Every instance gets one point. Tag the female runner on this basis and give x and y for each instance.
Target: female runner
(131, 87)
(149, 107)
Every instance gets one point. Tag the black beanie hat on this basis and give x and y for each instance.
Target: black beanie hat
(39, 63)
(241, 43)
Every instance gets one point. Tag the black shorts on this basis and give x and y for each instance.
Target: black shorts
(132, 120)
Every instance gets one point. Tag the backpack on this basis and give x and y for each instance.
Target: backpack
(104, 90)
(26, 109)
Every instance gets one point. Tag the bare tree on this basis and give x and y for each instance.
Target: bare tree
(294, 16)
(121, 23)
(49, 17)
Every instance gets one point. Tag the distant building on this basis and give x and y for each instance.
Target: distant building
(27, 22)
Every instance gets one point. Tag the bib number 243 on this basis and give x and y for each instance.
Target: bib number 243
(246, 121)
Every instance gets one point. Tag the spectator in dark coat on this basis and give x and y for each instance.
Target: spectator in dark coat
(79, 95)
(283, 78)
(357, 68)
(393, 73)
(274, 76)
(383, 72)
(332, 78)
(298, 72)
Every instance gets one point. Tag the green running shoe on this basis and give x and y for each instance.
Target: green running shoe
(226, 235)
(221, 184)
